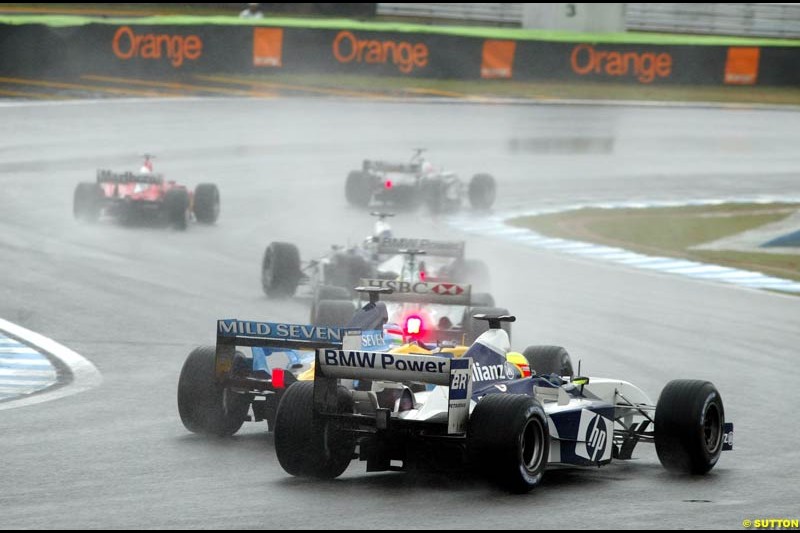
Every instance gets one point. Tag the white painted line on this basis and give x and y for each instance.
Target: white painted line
(494, 227)
(667, 265)
(84, 374)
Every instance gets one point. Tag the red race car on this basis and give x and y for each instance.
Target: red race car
(145, 197)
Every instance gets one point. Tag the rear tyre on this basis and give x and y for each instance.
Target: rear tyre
(328, 292)
(280, 270)
(358, 188)
(690, 421)
(206, 407)
(482, 191)
(310, 446)
(87, 202)
(176, 205)
(206, 203)
(546, 360)
(433, 195)
(347, 270)
(475, 328)
(508, 441)
(334, 313)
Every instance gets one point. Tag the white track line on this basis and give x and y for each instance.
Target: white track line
(496, 226)
(84, 374)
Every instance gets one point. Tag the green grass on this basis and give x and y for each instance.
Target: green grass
(672, 232)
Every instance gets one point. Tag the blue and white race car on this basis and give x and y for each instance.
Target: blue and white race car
(219, 385)
(478, 411)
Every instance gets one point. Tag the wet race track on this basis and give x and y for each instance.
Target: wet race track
(135, 301)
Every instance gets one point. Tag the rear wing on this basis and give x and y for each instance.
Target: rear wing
(233, 332)
(454, 249)
(109, 176)
(427, 292)
(384, 166)
(333, 365)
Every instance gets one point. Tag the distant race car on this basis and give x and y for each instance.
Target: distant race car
(144, 197)
(480, 414)
(382, 256)
(415, 183)
(424, 311)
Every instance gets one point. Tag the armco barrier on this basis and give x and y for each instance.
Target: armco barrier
(169, 51)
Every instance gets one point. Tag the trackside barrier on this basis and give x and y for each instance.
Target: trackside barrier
(176, 51)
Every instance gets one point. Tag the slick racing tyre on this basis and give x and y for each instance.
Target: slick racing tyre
(204, 406)
(475, 328)
(347, 270)
(307, 445)
(280, 270)
(546, 360)
(508, 441)
(327, 292)
(689, 426)
(358, 188)
(482, 191)
(176, 206)
(87, 201)
(206, 203)
(334, 313)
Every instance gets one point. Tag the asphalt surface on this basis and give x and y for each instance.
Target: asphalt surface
(135, 301)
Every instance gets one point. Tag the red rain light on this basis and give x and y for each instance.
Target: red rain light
(278, 378)
(388, 184)
(414, 326)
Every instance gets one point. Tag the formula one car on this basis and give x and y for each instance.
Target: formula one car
(416, 183)
(424, 311)
(481, 414)
(334, 275)
(144, 197)
(219, 385)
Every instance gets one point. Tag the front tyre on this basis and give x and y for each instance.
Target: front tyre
(689, 426)
(280, 270)
(546, 360)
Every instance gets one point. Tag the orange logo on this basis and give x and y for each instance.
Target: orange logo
(268, 47)
(741, 68)
(498, 59)
(405, 56)
(176, 48)
(585, 60)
